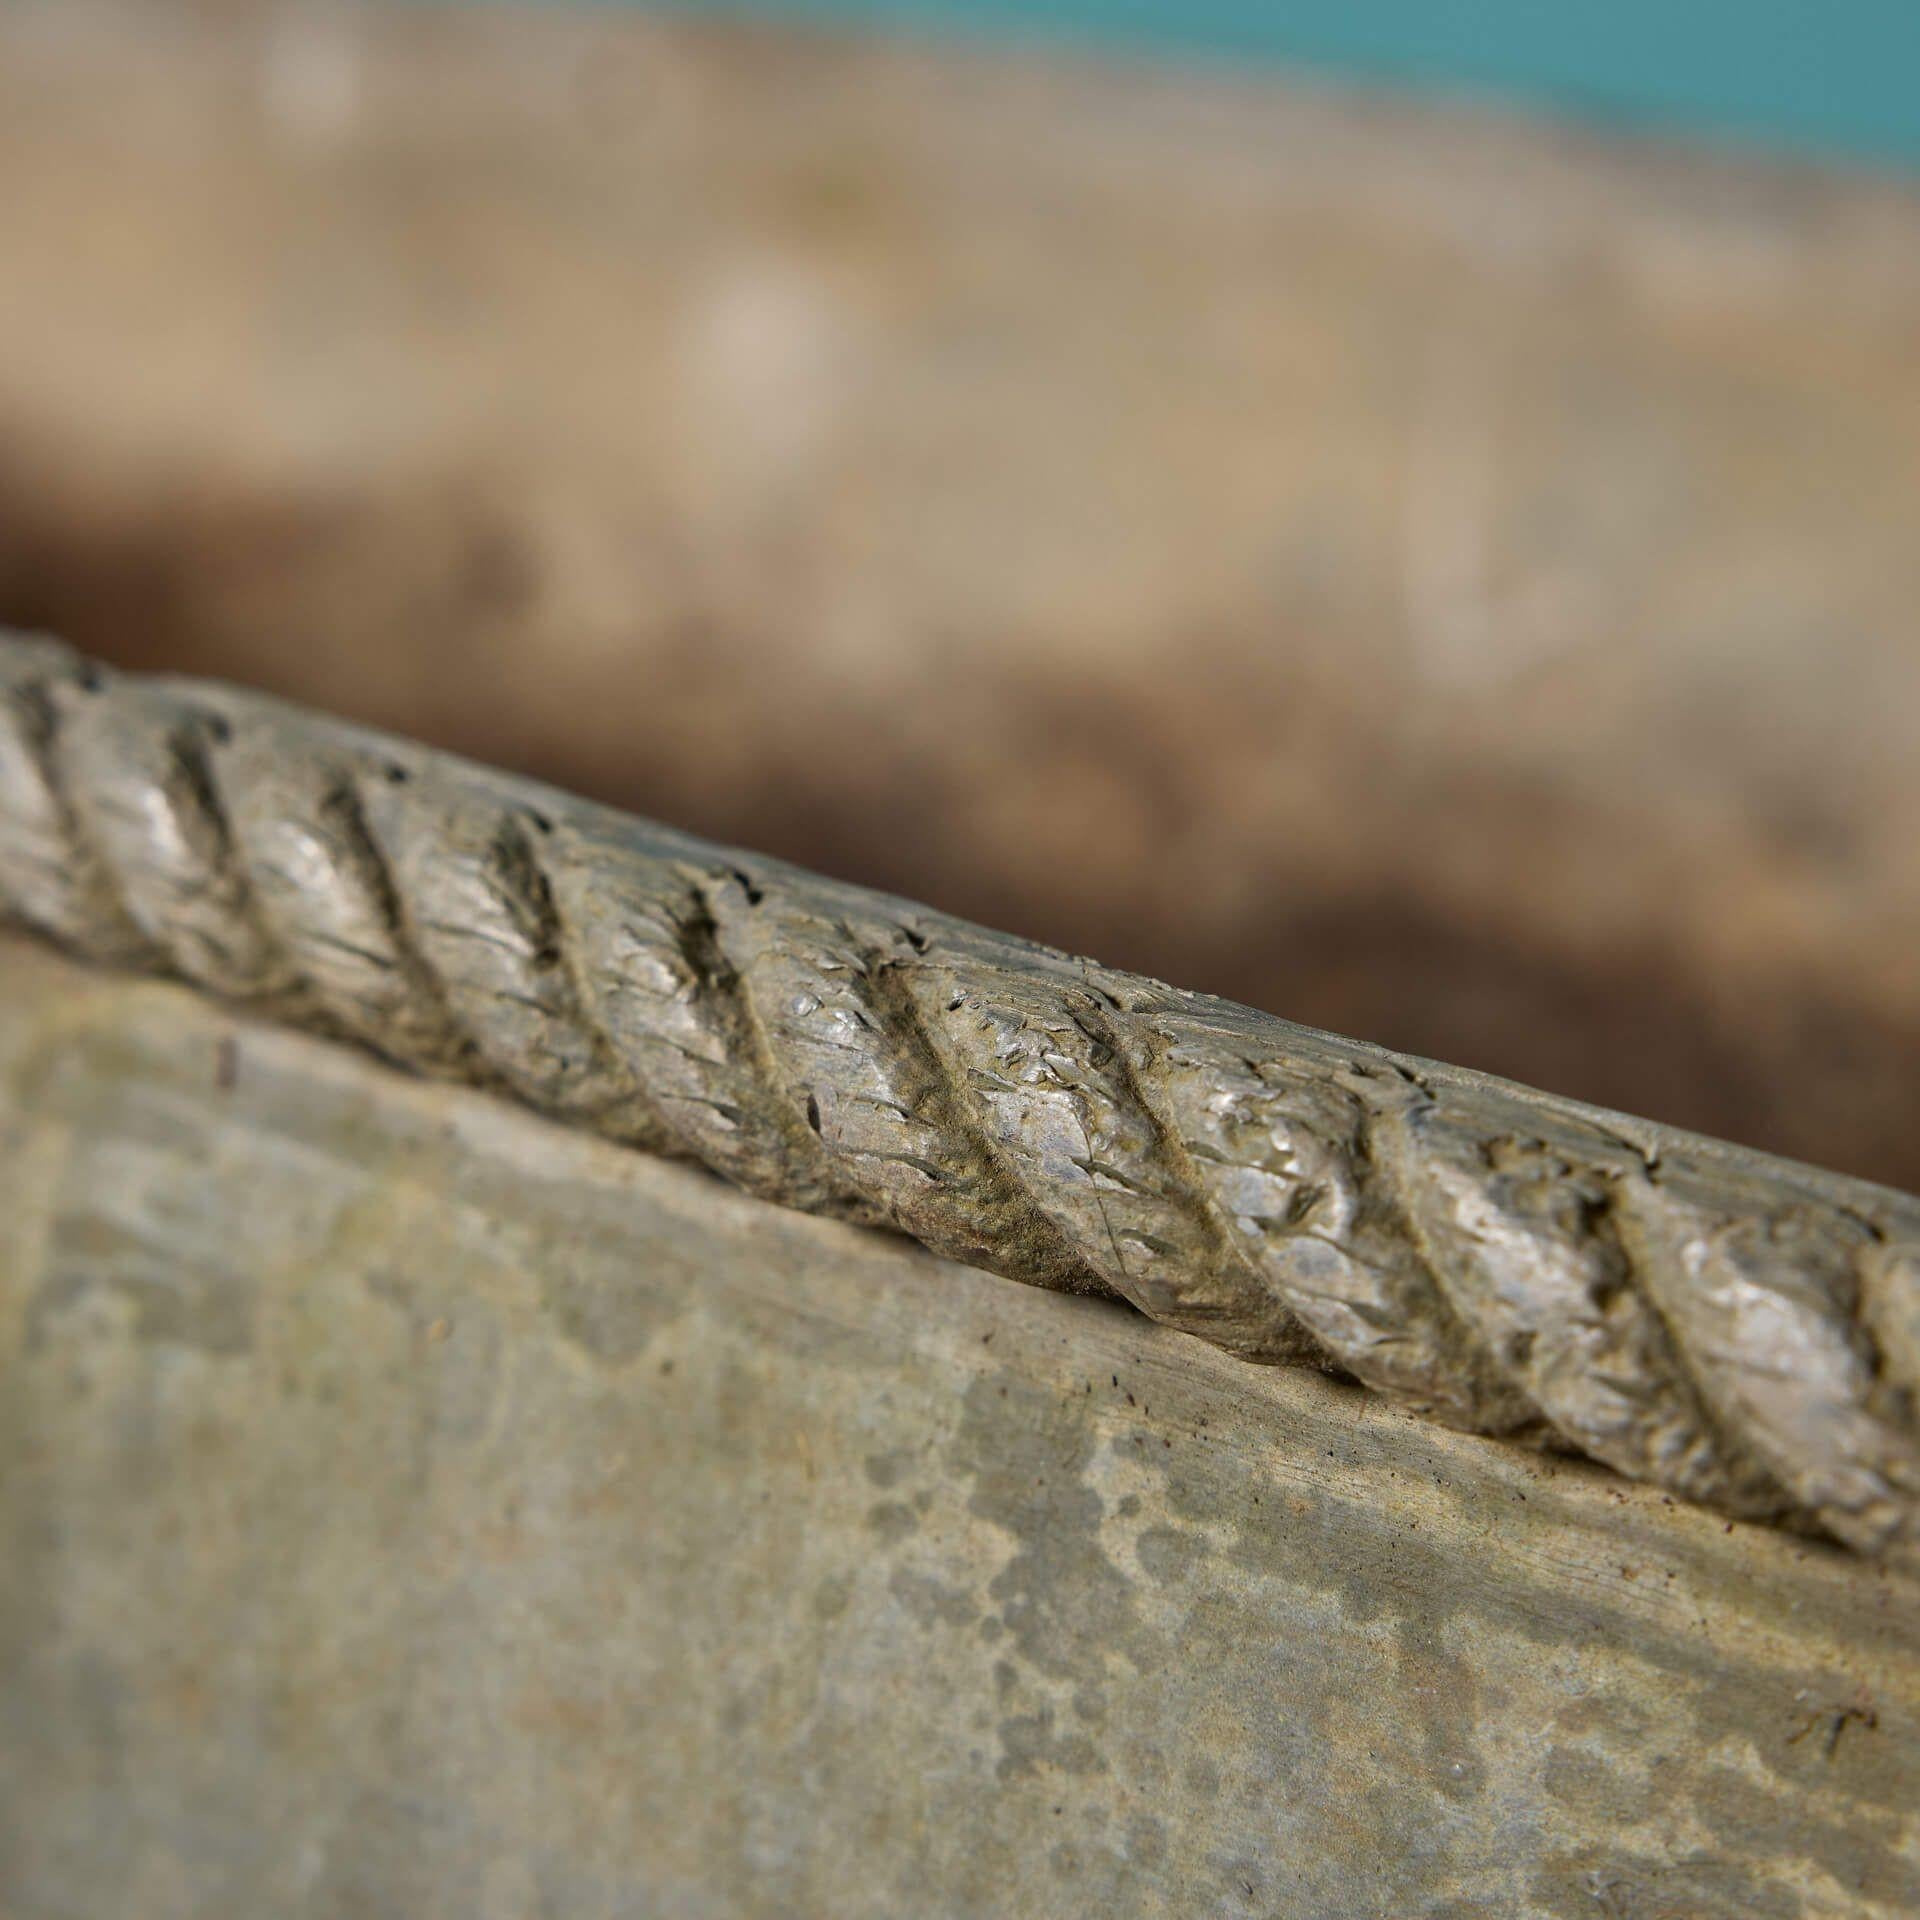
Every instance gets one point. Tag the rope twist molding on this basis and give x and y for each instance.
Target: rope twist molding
(1735, 1329)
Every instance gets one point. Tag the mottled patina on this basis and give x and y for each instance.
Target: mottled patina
(412, 1508)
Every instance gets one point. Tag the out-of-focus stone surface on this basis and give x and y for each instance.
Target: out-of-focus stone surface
(408, 1508)
(1432, 576)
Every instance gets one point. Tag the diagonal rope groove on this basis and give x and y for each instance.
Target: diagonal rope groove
(1731, 1328)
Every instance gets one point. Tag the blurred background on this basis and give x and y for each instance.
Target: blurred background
(1407, 516)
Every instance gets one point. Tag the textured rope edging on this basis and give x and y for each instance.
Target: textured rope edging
(1735, 1329)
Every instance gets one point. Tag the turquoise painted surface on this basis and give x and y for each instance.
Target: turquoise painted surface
(1841, 77)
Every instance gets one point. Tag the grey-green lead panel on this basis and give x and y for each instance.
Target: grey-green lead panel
(412, 1509)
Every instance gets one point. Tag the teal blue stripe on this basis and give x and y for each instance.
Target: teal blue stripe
(1841, 77)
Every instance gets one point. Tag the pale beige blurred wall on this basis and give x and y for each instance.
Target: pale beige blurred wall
(1430, 574)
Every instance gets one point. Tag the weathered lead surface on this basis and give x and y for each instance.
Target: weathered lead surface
(409, 1507)
(1729, 1327)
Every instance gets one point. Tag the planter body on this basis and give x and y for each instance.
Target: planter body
(409, 1507)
